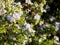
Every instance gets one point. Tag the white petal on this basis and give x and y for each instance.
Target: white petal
(40, 40)
(56, 38)
(37, 17)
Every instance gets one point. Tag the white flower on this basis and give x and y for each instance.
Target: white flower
(16, 16)
(56, 38)
(5, 11)
(56, 42)
(19, 3)
(57, 24)
(44, 36)
(28, 1)
(40, 40)
(37, 17)
(28, 26)
(10, 18)
(47, 7)
(3, 5)
(43, 10)
(13, 3)
(31, 30)
(20, 13)
(24, 42)
(52, 18)
(14, 38)
(15, 44)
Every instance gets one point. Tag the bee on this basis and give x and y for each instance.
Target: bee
(26, 6)
(32, 12)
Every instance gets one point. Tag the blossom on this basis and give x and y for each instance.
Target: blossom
(43, 10)
(40, 40)
(28, 1)
(28, 26)
(15, 44)
(16, 16)
(57, 25)
(24, 42)
(14, 3)
(56, 38)
(5, 11)
(44, 36)
(56, 42)
(10, 18)
(37, 17)
(20, 13)
(47, 7)
(14, 38)
(31, 30)
(19, 3)
(52, 18)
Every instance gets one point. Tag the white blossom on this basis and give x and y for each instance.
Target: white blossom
(43, 10)
(20, 13)
(56, 38)
(47, 7)
(24, 42)
(31, 30)
(52, 18)
(56, 42)
(10, 18)
(57, 24)
(28, 26)
(14, 38)
(44, 36)
(40, 40)
(19, 3)
(13, 3)
(5, 11)
(16, 16)
(15, 44)
(3, 5)
(28, 1)
(37, 17)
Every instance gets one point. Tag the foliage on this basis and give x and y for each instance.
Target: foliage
(29, 22)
